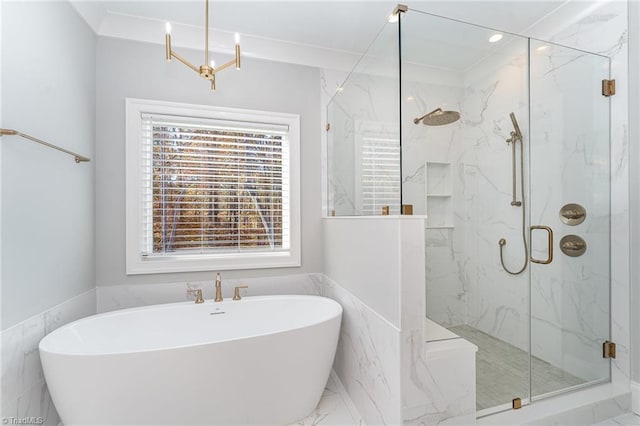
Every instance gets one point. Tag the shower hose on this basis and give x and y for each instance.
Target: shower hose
(502, 241)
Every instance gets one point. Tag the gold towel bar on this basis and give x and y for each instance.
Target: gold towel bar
(9, 132)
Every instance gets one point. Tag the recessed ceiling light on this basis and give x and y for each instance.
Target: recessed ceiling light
(541, 48)
(495, 37)
(410, 98)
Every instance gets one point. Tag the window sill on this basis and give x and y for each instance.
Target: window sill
(219, 262)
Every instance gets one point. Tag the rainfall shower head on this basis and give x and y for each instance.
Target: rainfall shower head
(438, 117)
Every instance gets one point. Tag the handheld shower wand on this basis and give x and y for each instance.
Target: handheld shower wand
(517, 132)
(516, 136)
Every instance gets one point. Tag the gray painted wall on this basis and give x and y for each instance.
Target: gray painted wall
(48, 91)
(139, 70)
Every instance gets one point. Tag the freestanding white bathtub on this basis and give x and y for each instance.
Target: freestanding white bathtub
(260, 360)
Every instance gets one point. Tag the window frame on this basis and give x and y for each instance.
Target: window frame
(138, 264)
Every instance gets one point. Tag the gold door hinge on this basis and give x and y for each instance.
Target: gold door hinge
(328, 127)
(516, 403)
(407, 209)
(608, 87)
(608, 349)
(400, 8)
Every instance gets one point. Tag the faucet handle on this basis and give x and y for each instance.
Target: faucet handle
(198, 293)
(218, 286)
(236, 291)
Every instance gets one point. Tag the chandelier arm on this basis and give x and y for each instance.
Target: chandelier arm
(184, 61)
(226, 65)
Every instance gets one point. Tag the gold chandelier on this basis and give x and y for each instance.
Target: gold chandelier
(208, 70)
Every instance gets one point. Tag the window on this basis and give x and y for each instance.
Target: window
(210, 188)
(377, 167)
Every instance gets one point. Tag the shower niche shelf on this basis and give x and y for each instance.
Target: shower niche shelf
(438, 195)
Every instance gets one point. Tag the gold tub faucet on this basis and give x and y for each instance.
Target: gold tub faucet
(236, 292)
(218, 288)
(197, 292)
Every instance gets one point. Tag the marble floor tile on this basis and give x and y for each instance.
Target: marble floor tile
(332, 410)
(628, 419)
(502, 371)
(608, 422)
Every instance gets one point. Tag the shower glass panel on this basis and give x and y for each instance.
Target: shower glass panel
(363, 148)
(460, 175)
(502, 143)
(569, 164)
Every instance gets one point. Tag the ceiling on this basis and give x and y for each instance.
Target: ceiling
(320, 31)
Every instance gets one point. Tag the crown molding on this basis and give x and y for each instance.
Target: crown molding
(191, 37)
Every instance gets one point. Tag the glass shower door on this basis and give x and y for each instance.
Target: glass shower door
(458, 173)
(569, 178)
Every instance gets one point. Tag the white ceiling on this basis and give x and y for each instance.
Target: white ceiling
(333, 33)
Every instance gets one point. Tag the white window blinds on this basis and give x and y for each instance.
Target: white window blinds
(380, 175)
(213, 186)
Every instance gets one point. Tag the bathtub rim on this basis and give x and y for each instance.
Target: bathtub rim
(323, 299)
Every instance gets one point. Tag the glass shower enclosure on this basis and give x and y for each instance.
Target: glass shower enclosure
(502, 142)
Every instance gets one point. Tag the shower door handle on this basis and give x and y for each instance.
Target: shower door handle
(549, 258)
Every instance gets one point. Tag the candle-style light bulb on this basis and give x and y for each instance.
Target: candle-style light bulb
(237, 38)
(212, 63)
(167, 42)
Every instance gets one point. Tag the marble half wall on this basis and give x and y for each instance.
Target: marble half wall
(24, 390)
(367, 359)
(391, 373)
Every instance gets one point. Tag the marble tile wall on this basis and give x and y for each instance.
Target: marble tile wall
(129, 296)
(391, 374)
(432, 183)
(24, 391)
(445, 373)
(363, 268)
(497, 301)
(379, 363)
(367, 359)
(438, 378)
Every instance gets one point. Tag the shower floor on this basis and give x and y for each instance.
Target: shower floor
(502, 371)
